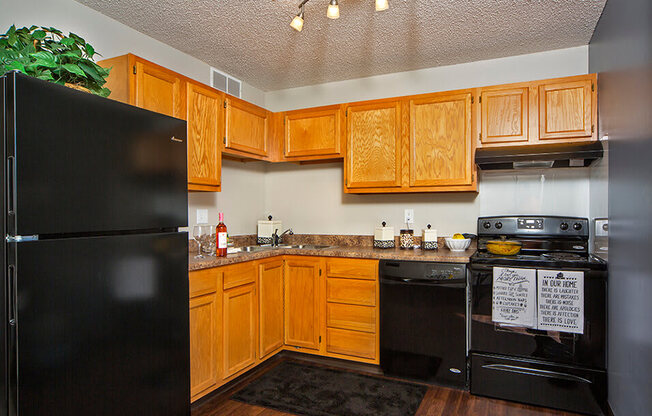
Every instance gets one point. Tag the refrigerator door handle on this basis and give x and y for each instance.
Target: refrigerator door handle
(11, 185)
(536, 372)
(11, 277)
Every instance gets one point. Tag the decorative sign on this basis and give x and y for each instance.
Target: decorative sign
(561, 301)
(514, 296)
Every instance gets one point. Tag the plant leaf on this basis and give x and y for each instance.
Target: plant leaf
(90, 51)
(38, 34)
(67, 41)
(74, 69)
(90, 70)
(44, 58)
(16, 65)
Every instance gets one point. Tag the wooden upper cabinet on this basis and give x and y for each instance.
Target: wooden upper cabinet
(313, 132)
(504, 115)
(205, 118)
(159, 89)
(566, 109)
(246, 128)
(240, 328)
(270, 294)
(373, 145)
(440, 140)
(302, 304)
(137, 81)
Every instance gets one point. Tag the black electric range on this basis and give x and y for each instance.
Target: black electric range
(531, 360)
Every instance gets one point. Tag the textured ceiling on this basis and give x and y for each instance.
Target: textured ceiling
(252, 39)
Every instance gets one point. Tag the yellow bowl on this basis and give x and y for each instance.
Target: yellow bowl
(504, 248)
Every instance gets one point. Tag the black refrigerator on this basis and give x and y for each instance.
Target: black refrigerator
(95, 288)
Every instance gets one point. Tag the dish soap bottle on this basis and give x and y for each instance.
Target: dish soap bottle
(220, 251)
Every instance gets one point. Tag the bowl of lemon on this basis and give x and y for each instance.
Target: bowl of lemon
(457, 242)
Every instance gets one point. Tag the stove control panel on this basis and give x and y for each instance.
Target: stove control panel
(534, 225)
(528, 223)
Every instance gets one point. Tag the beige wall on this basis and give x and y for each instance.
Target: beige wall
(550, 64)
(310, 198)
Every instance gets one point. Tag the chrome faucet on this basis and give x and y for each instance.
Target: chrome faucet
(278, 238)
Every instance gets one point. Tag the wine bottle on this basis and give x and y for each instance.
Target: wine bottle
(220, 250)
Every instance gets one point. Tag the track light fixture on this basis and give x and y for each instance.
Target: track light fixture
(382, 5)
(297, 22)
(333, 12)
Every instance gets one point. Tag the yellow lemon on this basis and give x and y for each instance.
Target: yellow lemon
(458, 236)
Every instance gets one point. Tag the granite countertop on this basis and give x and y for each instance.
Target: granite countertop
(443, 255)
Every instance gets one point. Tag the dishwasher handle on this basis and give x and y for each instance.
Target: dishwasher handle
(393, 280)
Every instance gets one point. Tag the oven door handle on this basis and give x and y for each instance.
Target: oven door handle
(536, 372)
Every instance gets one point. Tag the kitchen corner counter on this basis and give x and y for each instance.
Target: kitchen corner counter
(443, 255)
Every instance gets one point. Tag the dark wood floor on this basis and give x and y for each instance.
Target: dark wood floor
(438, 401)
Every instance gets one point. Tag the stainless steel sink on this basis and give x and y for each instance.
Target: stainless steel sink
(304, 246)
(248, 249)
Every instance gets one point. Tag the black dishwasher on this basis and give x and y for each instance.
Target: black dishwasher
(423, 321)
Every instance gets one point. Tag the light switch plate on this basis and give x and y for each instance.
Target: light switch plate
(202, 216)
(409, 216)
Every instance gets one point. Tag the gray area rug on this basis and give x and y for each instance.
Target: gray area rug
(313, 391)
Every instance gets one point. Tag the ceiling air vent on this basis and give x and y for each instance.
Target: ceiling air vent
(225, 83)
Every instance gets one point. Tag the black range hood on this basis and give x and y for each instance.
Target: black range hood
(538, 157)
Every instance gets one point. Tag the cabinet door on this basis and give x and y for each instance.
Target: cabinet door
(159, 89)
(270, 292)
(246, 127)
(373, 136)
(205, 131)
(440, 140)
(504, 115)
(240, 328)
(566, 109)
(302, 303)
(312, 132)
(203, 343)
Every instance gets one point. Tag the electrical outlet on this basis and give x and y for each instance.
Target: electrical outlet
(202, 216)
(409, 216)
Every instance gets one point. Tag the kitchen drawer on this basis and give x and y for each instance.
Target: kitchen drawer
(354, 292)
(239, 274)
(352, 268)
(357, 344)
(354, 317)
(203, 282)
(540, 383)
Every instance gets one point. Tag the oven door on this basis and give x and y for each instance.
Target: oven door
(587, 349)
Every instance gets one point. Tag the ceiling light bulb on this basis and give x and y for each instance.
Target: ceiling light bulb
(382, 5)
(297, 22)
(333, 10)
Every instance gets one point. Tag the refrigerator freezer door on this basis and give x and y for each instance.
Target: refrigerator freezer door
(86, 164)
(102, 326)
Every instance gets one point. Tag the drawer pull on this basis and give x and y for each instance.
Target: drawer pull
(536, 372)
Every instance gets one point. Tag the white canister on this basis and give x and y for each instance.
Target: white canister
(429, 239)
(384, 236)
(266, 229)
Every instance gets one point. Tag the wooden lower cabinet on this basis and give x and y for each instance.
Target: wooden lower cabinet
(352, 313)
(205, 331)
(240, 328)
(245, 313)
(270, 301)
(302, 295)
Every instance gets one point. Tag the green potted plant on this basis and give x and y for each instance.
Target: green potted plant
(46, 53)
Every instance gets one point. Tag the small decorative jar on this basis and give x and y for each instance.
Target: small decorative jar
(407, 238)
(266, 229)
(429, 239)
(384, 237)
